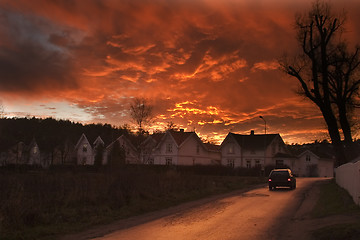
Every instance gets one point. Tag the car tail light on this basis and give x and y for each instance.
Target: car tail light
(289, 180)
(269, 179)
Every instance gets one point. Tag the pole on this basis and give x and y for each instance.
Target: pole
(263, 165)
(264, 122)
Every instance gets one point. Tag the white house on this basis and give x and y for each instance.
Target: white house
(254, 150)
(183, 148)
(22, 154)
(83, 152)
(314, 164)
(33, 153)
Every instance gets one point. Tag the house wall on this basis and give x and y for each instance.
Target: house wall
(289, 162)
(84, 153)
(348, 177)
(231, 151)
(276, 146)
(34, 155)
(215, 157)
(254, 157)
(265, 157)
(306, 168)
(326, 168)
(162, 154)
(191, 152)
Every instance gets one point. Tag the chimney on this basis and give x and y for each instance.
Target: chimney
(252, 132)
(181, 130)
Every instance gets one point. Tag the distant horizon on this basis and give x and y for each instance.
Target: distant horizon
(205, 65)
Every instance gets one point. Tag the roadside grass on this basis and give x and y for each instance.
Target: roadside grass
(335, 200)
(338, 232)
(47, 204)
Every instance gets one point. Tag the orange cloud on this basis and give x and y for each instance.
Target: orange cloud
(273, 65)
(205, 65)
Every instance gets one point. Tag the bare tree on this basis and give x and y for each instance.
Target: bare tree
(172, 126)
(141, 112)
(344, 87)
(325, 70)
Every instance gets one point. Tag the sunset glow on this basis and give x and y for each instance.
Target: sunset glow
(205, 65)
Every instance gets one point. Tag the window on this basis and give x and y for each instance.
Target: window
(35, 150)
(84, 160)
(85, 148)
(231, 148)
(168, 161)
(198, 149)
(248, 163)
(231, 163)
(308, 158)
(257, 163)
(151, 161)
(169, 147)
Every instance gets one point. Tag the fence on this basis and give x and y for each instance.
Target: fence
(348, 177)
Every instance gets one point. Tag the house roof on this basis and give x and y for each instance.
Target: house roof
(212, 147)
(254, 141)
(180, 136)
(318, 153)
(125, 139)
(83, 137)
(157, 137)
(324, 151)
(98, 140)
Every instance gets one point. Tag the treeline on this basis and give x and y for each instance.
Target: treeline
(50, 133)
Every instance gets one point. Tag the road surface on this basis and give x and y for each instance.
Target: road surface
(256, 214)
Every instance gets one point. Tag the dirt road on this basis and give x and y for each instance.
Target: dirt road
(255, 214)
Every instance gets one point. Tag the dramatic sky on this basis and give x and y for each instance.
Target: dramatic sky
(205, 65)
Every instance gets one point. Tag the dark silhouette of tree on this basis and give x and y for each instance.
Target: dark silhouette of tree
(99, 152)
(117, 156)
(344, 86)
(141, 113)
(172, 126)
(325, 70)
(53, 135)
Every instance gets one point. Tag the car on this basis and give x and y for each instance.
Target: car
(281, 178)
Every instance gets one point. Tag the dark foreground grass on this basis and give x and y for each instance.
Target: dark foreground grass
(335, 200)
(45, 204)
(338, 232)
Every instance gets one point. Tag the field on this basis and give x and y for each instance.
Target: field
(42, 204)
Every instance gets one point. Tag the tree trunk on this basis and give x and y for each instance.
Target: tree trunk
(335, 136)
(345, 125)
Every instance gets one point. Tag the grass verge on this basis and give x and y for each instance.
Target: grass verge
(335, 200)
(46, 204)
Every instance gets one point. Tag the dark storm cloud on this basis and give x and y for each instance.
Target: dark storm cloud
(28, 60)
